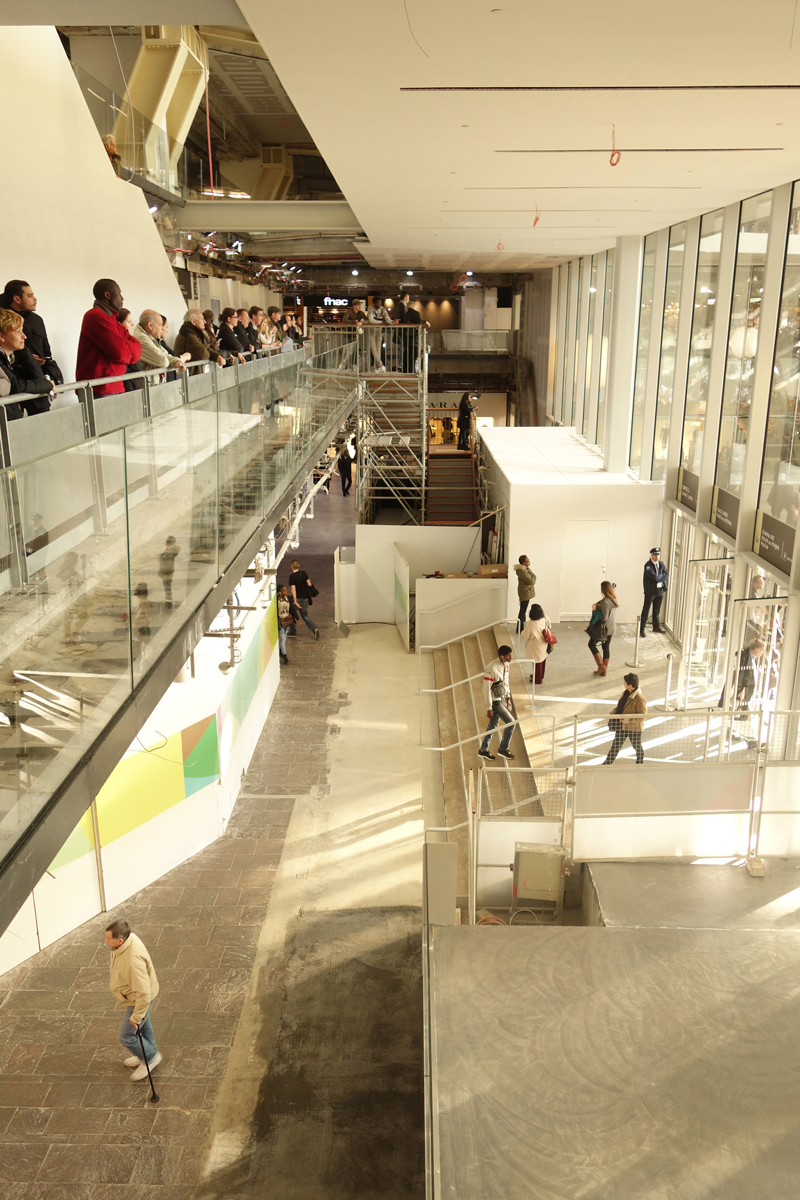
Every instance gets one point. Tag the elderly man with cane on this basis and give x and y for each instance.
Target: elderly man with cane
(133, 982)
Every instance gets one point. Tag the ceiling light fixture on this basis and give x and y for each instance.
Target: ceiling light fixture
(469, 272)
(153, 208)
(354, 271)
(409, 272)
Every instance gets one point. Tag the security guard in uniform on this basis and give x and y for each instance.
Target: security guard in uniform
(656, 577)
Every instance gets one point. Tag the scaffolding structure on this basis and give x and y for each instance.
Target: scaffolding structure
(392, 436)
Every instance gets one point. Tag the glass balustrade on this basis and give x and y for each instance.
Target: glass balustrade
(110, 545)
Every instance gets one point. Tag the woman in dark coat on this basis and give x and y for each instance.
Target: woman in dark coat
(465, 410)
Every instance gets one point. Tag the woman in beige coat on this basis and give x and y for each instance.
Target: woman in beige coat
(627, 720)
(535, 645)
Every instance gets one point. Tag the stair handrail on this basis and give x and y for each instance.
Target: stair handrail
(466, 679)
(460, 600)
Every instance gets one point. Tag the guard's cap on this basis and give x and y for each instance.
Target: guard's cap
(656, 550)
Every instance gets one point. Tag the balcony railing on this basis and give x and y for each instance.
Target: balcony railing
(119, 516)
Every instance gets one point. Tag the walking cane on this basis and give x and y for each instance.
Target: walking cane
(154, 1097)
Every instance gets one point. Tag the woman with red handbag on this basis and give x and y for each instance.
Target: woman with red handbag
(539, 641)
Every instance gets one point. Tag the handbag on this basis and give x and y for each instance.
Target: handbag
(312, 591)
(549, 636)
(596, 628)
(287, 621)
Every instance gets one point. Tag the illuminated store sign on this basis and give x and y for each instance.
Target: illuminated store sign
(329, 300)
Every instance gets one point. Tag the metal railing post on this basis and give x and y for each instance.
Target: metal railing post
(635, 662)
(668, 684)
(708, 736)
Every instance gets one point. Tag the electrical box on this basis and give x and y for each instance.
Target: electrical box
(538, 884)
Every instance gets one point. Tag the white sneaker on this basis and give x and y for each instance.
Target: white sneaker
(133, 1061)
(141, 1071)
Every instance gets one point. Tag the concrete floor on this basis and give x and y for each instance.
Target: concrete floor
(290, 1011)
(698, 895)
(610, 1064)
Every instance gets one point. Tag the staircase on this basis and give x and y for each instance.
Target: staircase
(450, 487)
(461, 715)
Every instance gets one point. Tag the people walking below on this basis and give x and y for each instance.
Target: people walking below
(627, 720)
(134, 983)
(286, 621)
(302, 594)
(603, 625)
(465, 410)
(526, 588)
(497, 697)
(344, 465)
(166, 567)
(536, 645)
(656, 577)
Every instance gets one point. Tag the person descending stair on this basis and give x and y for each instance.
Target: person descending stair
(497, 695)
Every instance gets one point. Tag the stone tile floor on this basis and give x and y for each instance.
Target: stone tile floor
(73, 1126)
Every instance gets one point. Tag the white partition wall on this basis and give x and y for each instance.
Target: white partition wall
(450, 608)
(426, 548)
(577, 523)
(662, 811)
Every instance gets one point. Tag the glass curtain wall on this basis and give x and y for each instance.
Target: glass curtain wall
(669, 343)
(776, 520)
(601, 395)
(737, 397)
(705, 300)
(642, 351)
(587, 380)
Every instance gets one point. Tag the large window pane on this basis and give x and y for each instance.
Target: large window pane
(642, 351)
(669, 341)
(587, 382)
(705, 301)
(748, 289)
(601, 398)
(780, 468)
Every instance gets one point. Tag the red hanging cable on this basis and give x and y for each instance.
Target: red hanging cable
(615, 154)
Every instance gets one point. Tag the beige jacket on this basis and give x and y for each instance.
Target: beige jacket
(635, 704)
(154, 355)
(526, 581)
(533, 636)
(133, 978)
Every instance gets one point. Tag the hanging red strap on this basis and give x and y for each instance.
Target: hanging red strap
(615, 154)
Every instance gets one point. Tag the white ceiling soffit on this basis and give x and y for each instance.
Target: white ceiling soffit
(469, 133)
(288, 216)
(120, 12)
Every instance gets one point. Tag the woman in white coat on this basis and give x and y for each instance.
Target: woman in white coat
(535, 644)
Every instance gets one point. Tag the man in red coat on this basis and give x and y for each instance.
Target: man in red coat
(105, 347)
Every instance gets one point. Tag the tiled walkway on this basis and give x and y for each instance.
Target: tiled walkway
(72, 1124)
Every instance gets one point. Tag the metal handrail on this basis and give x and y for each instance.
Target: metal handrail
(469, 633)
(467, 678)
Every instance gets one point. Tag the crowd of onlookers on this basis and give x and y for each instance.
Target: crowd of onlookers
(112, 344)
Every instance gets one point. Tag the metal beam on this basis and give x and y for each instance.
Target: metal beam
(249, 216)
(124, 12)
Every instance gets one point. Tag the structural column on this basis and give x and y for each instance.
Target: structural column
(622, 352)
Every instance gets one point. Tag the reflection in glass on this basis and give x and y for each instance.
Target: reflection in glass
(669, 340)
(748, 289)
(705, 300)
(780, 471)
(642, 351)
(601, 397)
(587, 383)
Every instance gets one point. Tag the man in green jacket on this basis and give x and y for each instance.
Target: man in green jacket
(526, 588)
(133, 982)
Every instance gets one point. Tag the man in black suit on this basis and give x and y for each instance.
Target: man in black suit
(656, 577)
(19, 298)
